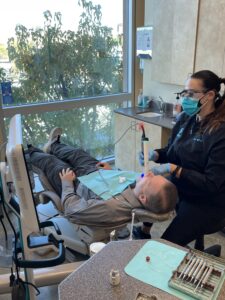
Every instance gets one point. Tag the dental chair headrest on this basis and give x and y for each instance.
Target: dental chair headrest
(143, 215)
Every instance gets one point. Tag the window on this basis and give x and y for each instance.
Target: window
(88, 127)
(61, 50)
(59, 55)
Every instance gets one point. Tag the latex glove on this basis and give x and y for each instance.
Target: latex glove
(152, 156)
(161, 169)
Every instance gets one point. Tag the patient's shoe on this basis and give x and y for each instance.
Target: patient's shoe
(138, 234)
(54, 136)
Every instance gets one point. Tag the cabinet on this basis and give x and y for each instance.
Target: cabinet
(174, 38)
(210, 49)
(127, 149)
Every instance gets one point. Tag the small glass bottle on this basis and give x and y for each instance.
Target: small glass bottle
(145, 101)
(140, 98)
(114, 277)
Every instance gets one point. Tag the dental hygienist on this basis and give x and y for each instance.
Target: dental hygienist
(195, 159)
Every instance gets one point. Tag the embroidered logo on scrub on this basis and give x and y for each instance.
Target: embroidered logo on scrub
(197, 139)
(179, 134)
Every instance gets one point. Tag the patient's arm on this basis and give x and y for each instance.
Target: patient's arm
(67, 174)
(103, 165)
(92, 211)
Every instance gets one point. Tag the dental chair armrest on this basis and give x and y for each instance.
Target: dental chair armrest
(49, 223)
(38, 242)
(143, 215)
(47, 196)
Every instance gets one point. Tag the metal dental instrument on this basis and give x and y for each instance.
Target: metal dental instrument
(204, 281)
(193, 268)
(189, 268)
(132, 225)
(185, 267)
(200, 272)
(200, 280)
(196, 268)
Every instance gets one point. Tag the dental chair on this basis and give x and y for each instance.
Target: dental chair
(86, 234)
(48, 209)
(41, 224)
(16, 194)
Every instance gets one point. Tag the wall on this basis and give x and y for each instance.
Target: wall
(210, 49)
(209, 43)
(150, 87)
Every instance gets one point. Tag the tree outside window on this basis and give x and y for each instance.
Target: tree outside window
(52, 64)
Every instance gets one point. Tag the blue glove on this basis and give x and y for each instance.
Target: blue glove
(152, 156)
(161, 169)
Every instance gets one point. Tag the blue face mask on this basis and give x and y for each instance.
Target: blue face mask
(190, 105)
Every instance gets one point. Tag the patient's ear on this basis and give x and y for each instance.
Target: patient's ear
(142, 197)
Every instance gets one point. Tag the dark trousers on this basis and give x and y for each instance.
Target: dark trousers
(62, 157)
(193, 221)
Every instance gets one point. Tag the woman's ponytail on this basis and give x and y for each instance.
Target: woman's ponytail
(222, 80)
(212, 82)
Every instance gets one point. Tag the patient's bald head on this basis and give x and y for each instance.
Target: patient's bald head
(156, 193)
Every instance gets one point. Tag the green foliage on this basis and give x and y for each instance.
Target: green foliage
(55, 64)
(90, 128)
(2, 74)
(3, 52)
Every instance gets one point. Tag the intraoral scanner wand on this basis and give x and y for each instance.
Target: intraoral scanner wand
(144, 149)
(146, 162)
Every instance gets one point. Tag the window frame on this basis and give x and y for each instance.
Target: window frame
(128, 82)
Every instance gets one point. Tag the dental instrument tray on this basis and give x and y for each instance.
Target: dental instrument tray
(199, 275)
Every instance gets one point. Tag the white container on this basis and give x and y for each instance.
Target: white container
(96, 247)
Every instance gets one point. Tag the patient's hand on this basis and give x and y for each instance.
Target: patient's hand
(103, 165)
(67, 174)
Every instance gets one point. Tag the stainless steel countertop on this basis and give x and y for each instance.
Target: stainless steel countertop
(134, 112)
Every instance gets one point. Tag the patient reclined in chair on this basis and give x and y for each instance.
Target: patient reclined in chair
(62, 164)
(116, 212)
(72, 233)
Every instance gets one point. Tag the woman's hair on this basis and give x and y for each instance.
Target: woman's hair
(211, 82)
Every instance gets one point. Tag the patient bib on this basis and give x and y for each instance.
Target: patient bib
(107, 183)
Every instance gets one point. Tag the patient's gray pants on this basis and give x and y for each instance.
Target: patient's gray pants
(62, 157)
